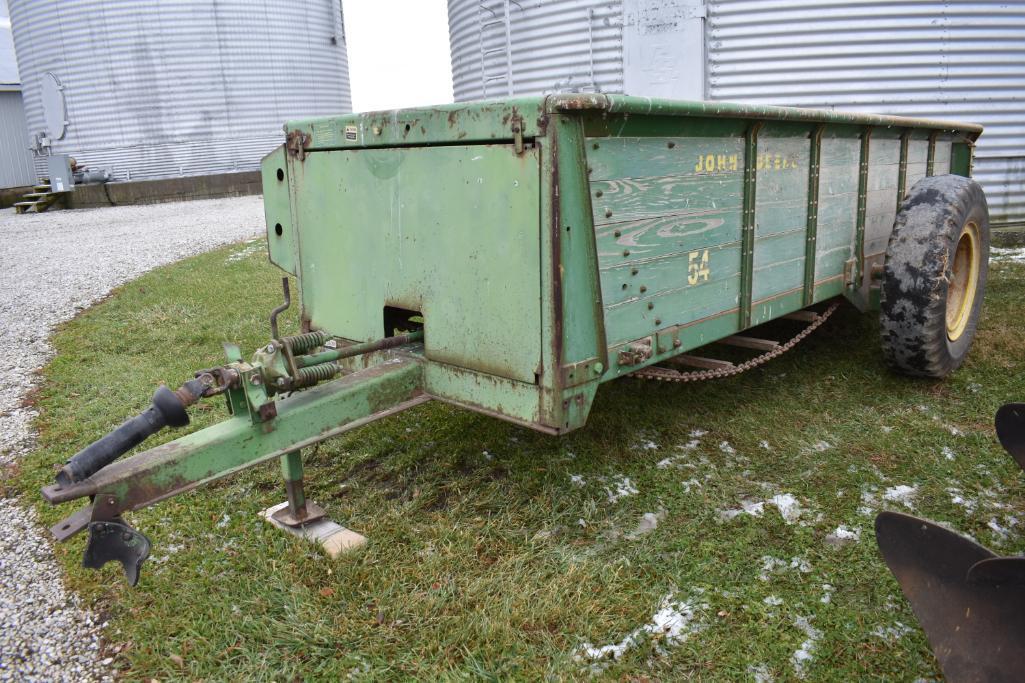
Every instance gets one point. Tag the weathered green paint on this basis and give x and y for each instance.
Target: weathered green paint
(962, 158)
(863, 174)
(812, 213)
(449, 231)
(671, 222)
(549, 244)
(747, 236)
(303, 419)
(902, 173)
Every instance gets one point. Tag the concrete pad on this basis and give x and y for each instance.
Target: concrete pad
(334, 538)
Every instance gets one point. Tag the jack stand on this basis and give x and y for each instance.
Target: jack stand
(306, 519)
(299, 511)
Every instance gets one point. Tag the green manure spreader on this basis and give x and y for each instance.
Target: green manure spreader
(508, 257)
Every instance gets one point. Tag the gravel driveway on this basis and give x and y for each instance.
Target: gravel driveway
(52, 265)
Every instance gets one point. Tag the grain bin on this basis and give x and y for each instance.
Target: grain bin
(175, 88)
(957, 60)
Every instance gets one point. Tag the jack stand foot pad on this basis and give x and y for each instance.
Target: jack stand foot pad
(334, 538)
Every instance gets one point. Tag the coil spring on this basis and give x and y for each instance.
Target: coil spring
(318, 373)
(301, 343)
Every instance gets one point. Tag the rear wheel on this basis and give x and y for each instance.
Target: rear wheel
(935, 276)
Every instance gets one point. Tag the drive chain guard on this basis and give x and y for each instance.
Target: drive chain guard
(115, 540)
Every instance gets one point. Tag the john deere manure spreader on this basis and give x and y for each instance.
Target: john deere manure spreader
(508, 257)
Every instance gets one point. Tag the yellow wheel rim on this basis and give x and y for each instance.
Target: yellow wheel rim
(964, 280)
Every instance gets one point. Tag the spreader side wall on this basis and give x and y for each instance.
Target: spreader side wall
(707, 227)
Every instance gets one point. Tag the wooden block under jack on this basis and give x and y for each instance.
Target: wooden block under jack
(334, 538)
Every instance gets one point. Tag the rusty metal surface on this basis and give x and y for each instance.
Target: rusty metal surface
(1010, 426)
(624, 104)
(671, 375)
(970, 603)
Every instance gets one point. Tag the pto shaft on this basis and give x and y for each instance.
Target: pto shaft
(167, 410)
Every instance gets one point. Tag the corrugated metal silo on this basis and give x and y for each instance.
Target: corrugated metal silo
(957, 59)
(176, 87)
(519, 47)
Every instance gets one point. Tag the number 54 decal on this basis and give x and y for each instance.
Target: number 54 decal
(697, 267)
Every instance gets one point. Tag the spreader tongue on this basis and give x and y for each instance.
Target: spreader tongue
(116, 541)
(1010, 424)
(970, 602)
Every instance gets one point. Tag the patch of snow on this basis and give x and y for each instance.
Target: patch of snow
(803, 656)
(801, 564)
(487, 456)
(843, 534)
(697, 433)
(621, 488)
(1008, 254)
(224, 521)
(821, 446)
(760, 673)
(690, 484)
(1001, 531)
(765, 444)
(954, 430)
(672, 624)
(886, 430)
(948, 453)
(648, 445)
(726, 448)
(892, 633)
(755, 508)
(690, 445)
(577, 479)
(902, 494)
(827, 594)
(788, 506)
(649, 522)
(957, 498)
(773, 601)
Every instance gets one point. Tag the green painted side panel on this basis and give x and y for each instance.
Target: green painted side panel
(651, 157)
(461, 123)
(881, 202)
(778, 264)
(508, 398)
(281, 237)
(635, 198)
(788, 302)
(449, 231)
(838, 206)
(679, 304)
(781, 214)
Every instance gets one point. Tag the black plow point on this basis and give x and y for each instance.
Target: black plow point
(116, 541)
(970, 603)
(1010, 424)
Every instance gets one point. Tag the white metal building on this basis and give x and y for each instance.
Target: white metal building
(959, 59)
(15, 158)
(175, 87)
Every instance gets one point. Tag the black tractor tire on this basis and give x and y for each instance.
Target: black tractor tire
(934, 276)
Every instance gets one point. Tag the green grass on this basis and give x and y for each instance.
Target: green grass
(486, 559)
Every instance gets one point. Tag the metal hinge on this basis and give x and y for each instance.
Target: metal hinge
(296, 143)
(517, 131)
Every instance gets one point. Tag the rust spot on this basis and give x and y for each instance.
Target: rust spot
(297, 142)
